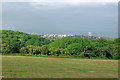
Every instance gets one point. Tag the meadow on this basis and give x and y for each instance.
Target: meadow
(46, 67)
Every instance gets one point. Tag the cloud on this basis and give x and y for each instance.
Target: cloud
(71, 1)
(61, 3)
(40, 4)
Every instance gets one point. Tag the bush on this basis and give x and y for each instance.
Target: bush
(74, 48)
(92, 54)
(44, 50)
(116, 57)
(28, 54)
(31, 50)
(64, 52)
(23, 50)
(54, 51)
(81, 55)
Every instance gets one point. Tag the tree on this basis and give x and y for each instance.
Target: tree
(44, 50)
(75, 48)
(23, 50)
(15, 45)
(30, 49)
(6, 48)
(54, 51)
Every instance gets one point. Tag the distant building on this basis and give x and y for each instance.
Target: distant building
(64, 35)
(89, 34)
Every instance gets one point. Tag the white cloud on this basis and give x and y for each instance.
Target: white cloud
(78, 2)
(71, 1)
(62, 3)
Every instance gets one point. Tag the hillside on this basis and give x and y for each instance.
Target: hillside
(12, 41)
(27, 44)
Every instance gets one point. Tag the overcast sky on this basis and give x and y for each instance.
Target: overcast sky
(62, 17)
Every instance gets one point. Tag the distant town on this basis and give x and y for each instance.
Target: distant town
(58, 36)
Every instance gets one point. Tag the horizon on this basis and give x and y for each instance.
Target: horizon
(86, 33)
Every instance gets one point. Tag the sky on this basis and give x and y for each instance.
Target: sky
(62, 17)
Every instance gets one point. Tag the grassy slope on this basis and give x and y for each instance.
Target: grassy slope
(42, 67)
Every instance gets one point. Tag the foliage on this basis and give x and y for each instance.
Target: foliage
(30, 49)
(16, 40)
(102, 48)
(26, 44)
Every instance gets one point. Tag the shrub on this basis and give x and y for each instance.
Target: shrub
(91, 54)
(81, 55)
(54, 51)
(23, 50)
(64, 52)
(31, 50)
(44, 50)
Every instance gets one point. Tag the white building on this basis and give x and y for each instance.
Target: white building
(64, 35)
(89, 34)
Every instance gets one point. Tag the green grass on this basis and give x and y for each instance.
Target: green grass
(60, 56)
(46, 67)
(82, 70)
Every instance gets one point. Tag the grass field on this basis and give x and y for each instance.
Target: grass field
(43, 67)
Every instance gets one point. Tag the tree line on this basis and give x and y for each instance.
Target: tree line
(26, 44)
